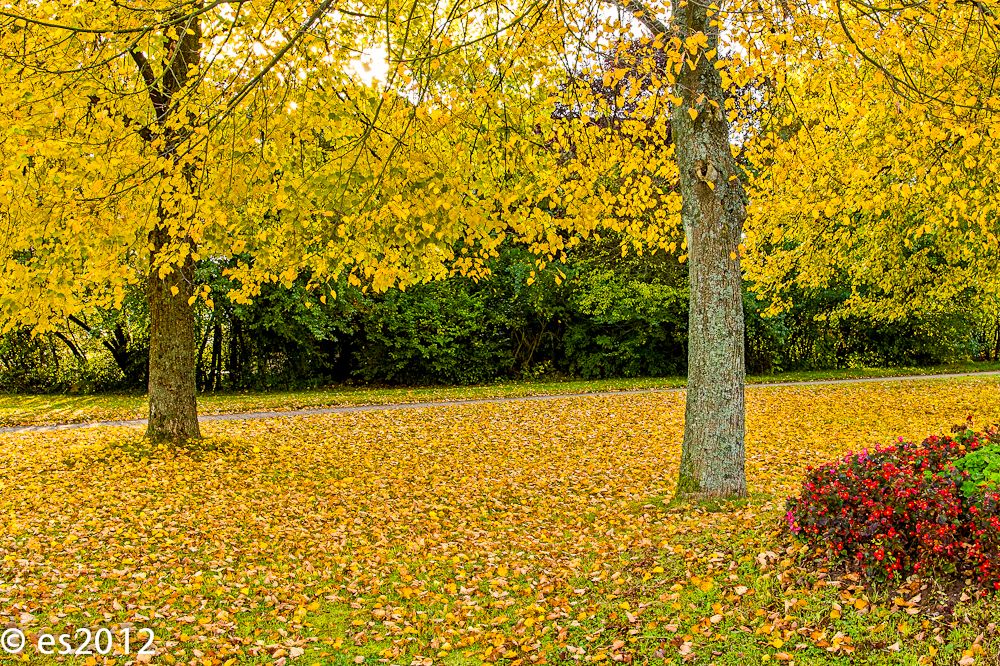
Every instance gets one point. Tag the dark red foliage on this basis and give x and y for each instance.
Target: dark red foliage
(899, 510)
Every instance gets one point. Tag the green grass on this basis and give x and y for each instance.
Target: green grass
(17, 410)
(792, 610)
(861, 373)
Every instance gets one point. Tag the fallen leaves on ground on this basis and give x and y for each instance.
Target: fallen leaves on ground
(532, 532)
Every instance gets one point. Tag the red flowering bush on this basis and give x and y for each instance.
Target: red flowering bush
(984, 541)
(900, 509)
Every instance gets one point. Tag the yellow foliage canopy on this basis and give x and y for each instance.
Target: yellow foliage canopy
(880, 165)
(280, 157)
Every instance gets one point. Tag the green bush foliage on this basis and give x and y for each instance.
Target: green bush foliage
(444, 332)
(980, 470)
(598, 315)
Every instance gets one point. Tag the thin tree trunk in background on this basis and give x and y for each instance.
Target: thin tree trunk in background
(996, 343)
(215, 383)
(235, 363)
(713, 212)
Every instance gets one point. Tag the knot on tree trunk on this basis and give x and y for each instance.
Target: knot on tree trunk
(706, 172)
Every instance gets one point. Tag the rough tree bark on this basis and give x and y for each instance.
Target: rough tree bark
(173, 410)
(713, 212)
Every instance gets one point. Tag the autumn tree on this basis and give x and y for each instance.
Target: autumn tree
(879, 162)
(712, 211)
(107, 180)
(893, 105)
(146, 137)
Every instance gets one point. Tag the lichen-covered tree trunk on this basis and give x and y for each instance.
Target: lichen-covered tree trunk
(173, 410)
(713, 212)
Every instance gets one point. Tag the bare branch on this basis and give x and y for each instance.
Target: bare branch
(156, 96)
(118, 31)
(643, 15)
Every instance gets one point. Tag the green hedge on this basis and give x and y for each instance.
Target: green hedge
(598, 315)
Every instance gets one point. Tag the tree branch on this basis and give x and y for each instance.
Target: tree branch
(156, 96)
(72, 346)
(116, 31)
(643, 15)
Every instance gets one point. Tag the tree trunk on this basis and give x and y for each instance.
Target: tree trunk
(215, 378)
(80, 356)
(713, 211)
(235, 362)
(199, 363)
(173, 409)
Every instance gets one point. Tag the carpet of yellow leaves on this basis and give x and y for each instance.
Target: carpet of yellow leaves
(531, 532)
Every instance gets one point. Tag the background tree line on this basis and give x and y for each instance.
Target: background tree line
(597, 315)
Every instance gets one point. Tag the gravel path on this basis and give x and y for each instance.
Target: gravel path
(347, 409)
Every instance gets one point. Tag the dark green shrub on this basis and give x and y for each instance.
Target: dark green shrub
(50, 363)
(598, 314)
(438, 333)
(28, 364)
(625, 326)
